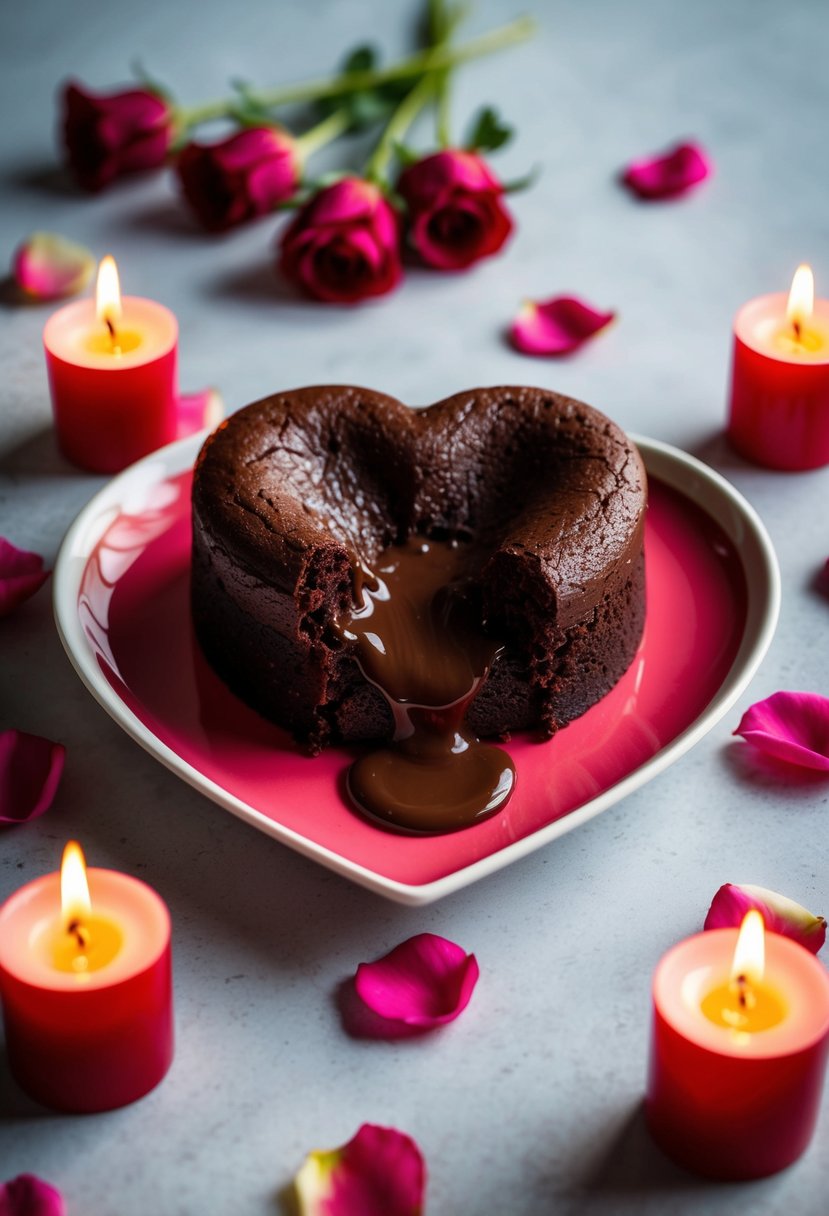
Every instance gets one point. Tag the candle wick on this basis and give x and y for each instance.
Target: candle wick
(113, 335)
(798, 329)
(80, 933)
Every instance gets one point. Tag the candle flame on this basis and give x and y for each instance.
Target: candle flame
(74, 889)
(108, 293)
(801, 298)
(749, 962)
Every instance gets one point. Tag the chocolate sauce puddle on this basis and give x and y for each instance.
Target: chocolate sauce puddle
(419, 641)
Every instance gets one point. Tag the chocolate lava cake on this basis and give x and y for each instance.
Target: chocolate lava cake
(296, 497)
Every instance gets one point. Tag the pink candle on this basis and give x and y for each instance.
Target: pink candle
(86, 986)
(779, 402)
(737, 1062)
(112, 375)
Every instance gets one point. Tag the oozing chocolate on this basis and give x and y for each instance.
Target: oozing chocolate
(547, 494)
(418, 638)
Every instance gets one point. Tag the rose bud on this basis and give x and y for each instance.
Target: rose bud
(108, 135)
(456, 216)
(239, 178)
(343, 245)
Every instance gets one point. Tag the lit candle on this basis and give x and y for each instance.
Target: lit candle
(112, 375)
(86, 986)
(738, 1051)
(779, 403)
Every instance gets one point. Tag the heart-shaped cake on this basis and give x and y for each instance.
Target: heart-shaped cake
(298, 498)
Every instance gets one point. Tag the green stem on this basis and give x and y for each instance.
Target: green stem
(443, 21)
(443, 123)
(323, 133)
(186, 119)
(429, 60)
(398, 125)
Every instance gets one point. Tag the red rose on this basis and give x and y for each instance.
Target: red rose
(107, 136)
(456, 215)
(343, 245)
(239, 178)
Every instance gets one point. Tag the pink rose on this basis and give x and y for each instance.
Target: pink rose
(343, 245)
(239, 178)
(456, 215)
(112, 134)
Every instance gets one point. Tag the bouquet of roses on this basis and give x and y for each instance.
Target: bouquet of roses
(346, 241)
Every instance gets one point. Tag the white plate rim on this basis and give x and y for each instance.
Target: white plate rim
(683, 472)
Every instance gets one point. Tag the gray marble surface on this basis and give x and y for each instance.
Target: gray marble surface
(531, 1102)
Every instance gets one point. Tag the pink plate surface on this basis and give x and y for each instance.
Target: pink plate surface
(131, 610)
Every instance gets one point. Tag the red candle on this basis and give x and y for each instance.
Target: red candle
(112, 375)
(86, 985)
(738, 1053)
(779, 404)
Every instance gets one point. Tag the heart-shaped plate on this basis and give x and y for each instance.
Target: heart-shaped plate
(121, 592)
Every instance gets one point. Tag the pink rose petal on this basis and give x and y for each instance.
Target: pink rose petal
(195, 411)
(424, 982)
(557, 326)
(670, 173)
(780, 914)
(380, 1172)
(47, 266)
(30, 772)
(27, 1195)
(791, 726)
(21, 574)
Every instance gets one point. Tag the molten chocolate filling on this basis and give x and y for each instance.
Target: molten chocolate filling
(420, 641)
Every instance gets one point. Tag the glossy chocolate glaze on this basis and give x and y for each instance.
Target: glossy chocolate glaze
(419, 639)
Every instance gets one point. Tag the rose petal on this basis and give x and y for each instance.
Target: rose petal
(424, 982)
(670, 173)
(27, 1195)
(47, 266)
(791, 726)
(380, 1172)
(21, 574)
(195, 411)
(780, 914)
(30, 772)
(557, 326)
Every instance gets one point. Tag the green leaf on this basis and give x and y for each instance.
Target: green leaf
(366, 109)
(523, 183)
(361, 59)
(407, 156)
(249, 112)
(488, 131)
(369, 107)
(150, 82)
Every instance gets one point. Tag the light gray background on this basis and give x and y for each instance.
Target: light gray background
(530, 1102)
